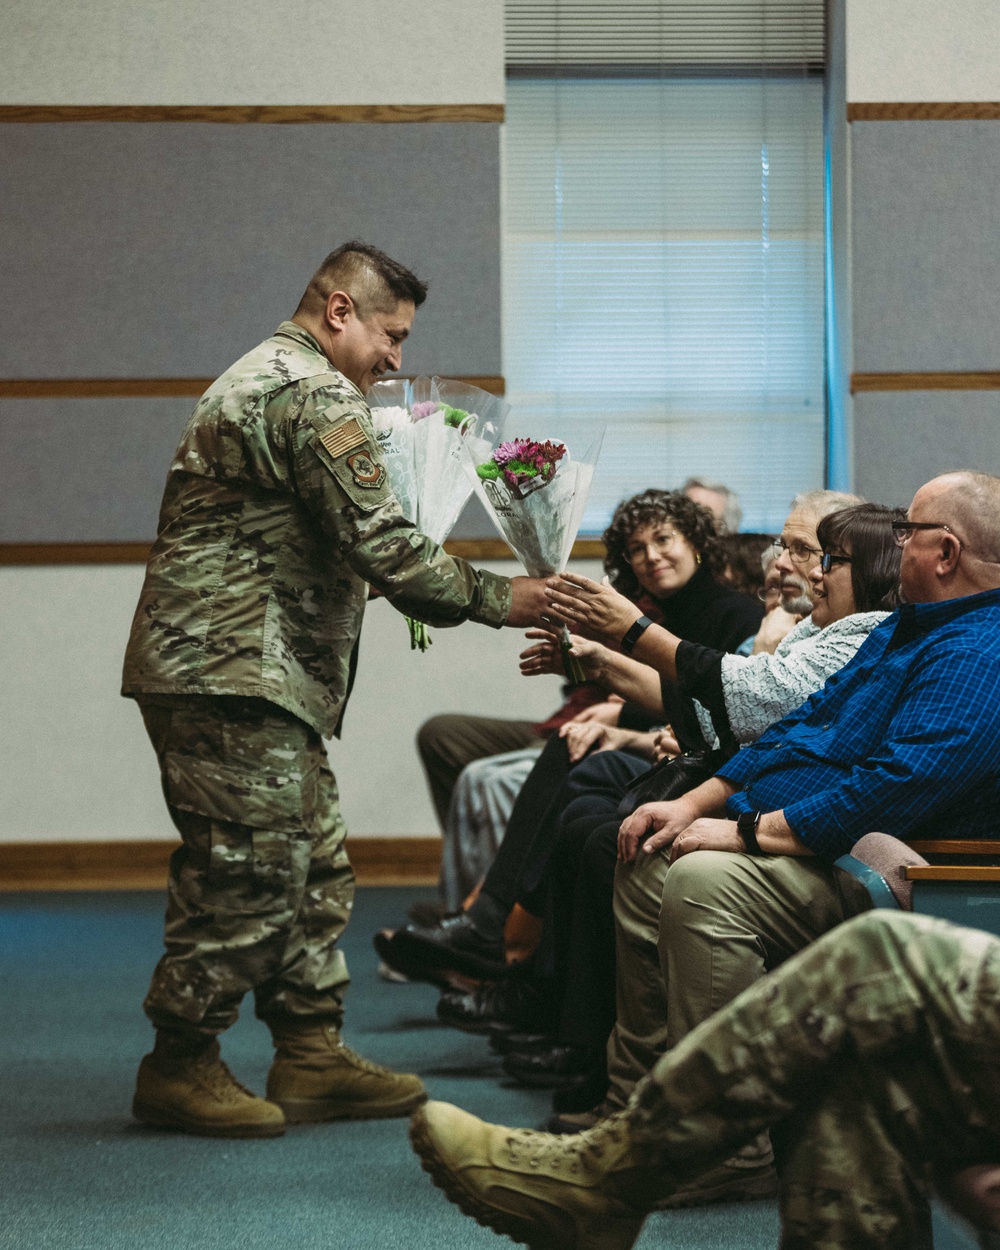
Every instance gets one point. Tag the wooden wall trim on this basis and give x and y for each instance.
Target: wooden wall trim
(926, 111)
(142, 865)
(252, 114)
(135, 388)
(954, 381)
(12, 554)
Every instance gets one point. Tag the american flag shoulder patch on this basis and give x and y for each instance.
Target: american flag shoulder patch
(344, 437)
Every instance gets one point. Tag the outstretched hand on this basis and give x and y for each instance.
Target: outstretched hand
(591, 608)
(528, 604)
(546, 655)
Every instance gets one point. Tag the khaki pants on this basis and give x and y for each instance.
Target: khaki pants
(693, 935)
(261, 889)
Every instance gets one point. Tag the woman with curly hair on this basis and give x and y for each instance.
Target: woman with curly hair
(663, 554)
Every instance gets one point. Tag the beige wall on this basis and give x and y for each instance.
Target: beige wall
(922, 50)
(252, 52)
(76, 762)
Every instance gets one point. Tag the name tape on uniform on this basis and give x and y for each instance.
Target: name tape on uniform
(344, 437)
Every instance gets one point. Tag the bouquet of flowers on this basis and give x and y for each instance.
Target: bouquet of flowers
(536, 493)
(421, 426)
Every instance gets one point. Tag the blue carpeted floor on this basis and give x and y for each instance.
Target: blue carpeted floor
(77, 1174)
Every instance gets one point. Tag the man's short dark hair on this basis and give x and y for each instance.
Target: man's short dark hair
(374, 281)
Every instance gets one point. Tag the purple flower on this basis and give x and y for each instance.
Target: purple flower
(424, 409)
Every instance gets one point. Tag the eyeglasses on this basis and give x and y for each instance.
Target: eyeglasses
(798, 552)
(661, 543)
(903, 530)
(827, 561)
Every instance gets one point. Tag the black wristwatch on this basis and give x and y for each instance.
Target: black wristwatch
(634, 633)
(747, 826)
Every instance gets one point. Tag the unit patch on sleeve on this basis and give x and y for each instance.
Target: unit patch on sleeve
(366, 472)
(342, 438)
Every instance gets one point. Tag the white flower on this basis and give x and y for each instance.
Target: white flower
(388, 419)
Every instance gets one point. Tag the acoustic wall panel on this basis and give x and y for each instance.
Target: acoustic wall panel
(902, 440)
(168, 249)
(85, 470)
(917, 50)
(926, 268)
(251, 52)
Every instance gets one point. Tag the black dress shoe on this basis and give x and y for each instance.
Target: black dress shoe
(502, 1042)
(546, 1069)
(424, 952)
(515, 1003)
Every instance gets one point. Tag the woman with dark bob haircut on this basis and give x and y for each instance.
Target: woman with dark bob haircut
(861, 533)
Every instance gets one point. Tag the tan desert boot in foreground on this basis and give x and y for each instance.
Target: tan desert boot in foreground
(196, 1093)
(316, 1077)
(588, 1191)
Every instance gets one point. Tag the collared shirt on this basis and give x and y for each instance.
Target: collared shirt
(277, 516)
(904, 739)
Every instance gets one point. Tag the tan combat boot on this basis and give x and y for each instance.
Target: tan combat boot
(587, 1191)
(184, 1085)
(316, 1077)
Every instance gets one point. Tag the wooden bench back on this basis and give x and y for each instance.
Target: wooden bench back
(954, 872)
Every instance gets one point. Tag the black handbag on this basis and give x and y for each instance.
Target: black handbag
(671, 778)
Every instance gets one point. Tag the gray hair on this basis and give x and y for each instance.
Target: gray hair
(820, 503)
(732, 514)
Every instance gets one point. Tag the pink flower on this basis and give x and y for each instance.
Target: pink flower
(423, 409)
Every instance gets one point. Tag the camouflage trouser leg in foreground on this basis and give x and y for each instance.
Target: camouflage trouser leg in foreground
(262, 888)
(874, 1055)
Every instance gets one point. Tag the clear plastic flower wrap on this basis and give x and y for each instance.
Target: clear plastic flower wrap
(421, 426)
(536, 492)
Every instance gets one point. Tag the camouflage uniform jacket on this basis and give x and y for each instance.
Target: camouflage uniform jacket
(277, 514)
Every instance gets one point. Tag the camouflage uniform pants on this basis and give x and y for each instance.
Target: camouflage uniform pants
(261, 888)
(874, 1058)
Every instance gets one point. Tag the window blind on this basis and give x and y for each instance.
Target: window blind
(663, 32)
(663, 269)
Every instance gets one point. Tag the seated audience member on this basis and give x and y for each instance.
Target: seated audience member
(740, 696)
(871, 1058)
(721, 885)
(663, 547)
(518, 870)
(747, 557)
(719, 499)
(745, 695)
(473, 807)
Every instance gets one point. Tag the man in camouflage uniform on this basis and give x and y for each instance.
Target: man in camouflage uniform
(277, 516)
(874, 1059)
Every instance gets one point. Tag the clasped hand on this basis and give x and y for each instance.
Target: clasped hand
(591, 608)
(675, 824)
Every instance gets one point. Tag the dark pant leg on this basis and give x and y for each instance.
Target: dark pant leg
(593, 783)
(588, 1006)
(527, 823)
(447, 743)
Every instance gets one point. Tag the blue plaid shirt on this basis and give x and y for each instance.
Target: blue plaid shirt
(904, 739)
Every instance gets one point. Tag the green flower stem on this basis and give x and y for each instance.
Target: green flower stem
(571, 664)
(420, 639)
